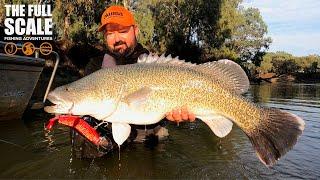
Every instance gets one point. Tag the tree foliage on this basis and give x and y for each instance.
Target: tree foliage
(3, 10)
(285, 63)
(77, 20)
(209, 30)
(145, 21)
(196, 30)
(249, 39)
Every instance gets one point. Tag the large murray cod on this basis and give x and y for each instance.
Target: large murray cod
(144, 92)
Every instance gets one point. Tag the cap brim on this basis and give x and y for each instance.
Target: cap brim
(101, 27)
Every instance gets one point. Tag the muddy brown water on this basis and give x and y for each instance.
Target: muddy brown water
(192, 151)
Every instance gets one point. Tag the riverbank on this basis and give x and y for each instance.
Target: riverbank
(310, 78)
(307, 78)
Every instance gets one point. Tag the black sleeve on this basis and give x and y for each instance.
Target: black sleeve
(139, 51)
(93, 65)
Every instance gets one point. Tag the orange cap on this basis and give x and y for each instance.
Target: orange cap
(116, 15)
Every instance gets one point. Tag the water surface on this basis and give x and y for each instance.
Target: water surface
(192, 151)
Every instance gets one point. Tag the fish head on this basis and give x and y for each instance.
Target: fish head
(68, 99)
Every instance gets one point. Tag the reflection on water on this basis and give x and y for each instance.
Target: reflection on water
(27, 151)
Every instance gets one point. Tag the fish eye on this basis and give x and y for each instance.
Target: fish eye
(67, 89)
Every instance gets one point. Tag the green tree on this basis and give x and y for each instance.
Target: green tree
(266, 63)
(284, 66)
(211, 29)
(2, 13)
(78, 21)
(184, 29)
(3, 9)
(197, 30)
(144, 18)
(249, 39)
(228, 18)
(282, 62)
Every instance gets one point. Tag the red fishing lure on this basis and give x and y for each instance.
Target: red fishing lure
(78, 124)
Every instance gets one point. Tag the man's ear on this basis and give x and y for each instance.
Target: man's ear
(136, 30)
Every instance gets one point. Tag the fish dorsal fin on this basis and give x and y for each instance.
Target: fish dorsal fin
(120, 132)
(228, 73)
(153, 58)
(219, 125)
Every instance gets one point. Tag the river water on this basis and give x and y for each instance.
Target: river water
(192, 151)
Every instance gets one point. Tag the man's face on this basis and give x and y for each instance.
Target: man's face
(120, 40)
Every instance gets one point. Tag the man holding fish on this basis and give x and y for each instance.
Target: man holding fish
(120, 33)
(143, 93)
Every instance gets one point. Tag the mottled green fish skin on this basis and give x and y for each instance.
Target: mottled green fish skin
(173, 86)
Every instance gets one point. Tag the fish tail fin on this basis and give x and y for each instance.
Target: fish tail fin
(275, 135)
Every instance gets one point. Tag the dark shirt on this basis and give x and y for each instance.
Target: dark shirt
(95, 63)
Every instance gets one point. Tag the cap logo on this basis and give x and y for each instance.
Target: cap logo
(110, 14)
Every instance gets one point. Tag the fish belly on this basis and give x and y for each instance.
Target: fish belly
(129, 115)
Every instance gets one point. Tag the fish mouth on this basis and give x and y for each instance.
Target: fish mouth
(59, 106)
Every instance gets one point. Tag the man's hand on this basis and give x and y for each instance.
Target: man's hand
(180, 114)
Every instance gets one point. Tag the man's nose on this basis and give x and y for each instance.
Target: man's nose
(116, 37)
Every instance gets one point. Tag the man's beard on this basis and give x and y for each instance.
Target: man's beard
(120, 55)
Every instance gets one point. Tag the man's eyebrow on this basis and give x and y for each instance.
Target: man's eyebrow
(119, 30)
(125, 29)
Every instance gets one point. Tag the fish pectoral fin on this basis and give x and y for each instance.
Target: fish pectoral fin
(220, 125)
(138, 98)
(120, 132)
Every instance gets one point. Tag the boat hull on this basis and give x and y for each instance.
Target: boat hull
(18, 78)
